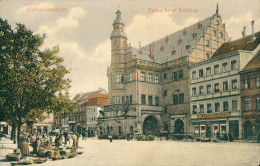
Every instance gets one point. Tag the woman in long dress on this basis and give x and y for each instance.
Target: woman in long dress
(75, 140)
(25, 148)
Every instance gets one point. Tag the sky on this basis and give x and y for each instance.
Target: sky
(81, 28)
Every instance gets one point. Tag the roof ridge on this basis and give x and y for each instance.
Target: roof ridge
(257, 55)
(179, 30)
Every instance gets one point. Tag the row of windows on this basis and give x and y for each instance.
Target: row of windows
(117, 78)
(77, 118)
(207, 108)
(150, 79)
(178, 99)
(92, 119)
(122, 100)
(208, 90)
(175, 76)
(218, 129)
(88, 109)
(247, 84)
(208, 72)
(247, 104)
(150, 100)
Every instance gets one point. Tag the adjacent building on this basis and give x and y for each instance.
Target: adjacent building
(90, 105)
(44, 126)
(250, 97)
(148, 86)
(215, 93)
(5, 128)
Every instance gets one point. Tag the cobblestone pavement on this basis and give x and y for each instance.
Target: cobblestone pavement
(156, 153)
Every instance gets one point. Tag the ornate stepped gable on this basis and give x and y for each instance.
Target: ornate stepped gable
(176, 45)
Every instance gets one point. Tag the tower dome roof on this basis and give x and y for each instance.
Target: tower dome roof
(118, 30)
(117, 33)
(118, 19)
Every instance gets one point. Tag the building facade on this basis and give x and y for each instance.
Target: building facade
(90, 106)
(148, 86)
(215, 101)
(44, 126)
(250, 98)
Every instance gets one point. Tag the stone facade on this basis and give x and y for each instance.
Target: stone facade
(148, 86)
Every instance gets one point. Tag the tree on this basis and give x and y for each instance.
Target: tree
(31, 80)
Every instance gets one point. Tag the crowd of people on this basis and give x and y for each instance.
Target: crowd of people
(44, 140)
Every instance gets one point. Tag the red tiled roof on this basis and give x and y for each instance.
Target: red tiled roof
(254, 63)
(101, 99)
(84, 97)
(240, 44)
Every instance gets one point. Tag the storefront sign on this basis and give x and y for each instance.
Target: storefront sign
(216, 115)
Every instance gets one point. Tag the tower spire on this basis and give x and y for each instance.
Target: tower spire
(118, 25)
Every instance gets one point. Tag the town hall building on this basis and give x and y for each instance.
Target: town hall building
(148, 86)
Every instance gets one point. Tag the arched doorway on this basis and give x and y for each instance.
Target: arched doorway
(179, 126)
(247, 129)
(150, 126)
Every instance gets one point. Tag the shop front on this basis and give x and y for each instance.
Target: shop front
(216, 125)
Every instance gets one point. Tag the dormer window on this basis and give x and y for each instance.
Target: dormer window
(166, 39)
(173, 50)
(179, 41)
(199, 25)
(194, 35)
(162, 48)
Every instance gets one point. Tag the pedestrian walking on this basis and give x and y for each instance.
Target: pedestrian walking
(83, 135)
(66, 137)
(75, 140)
(110, 137)
(230, 137)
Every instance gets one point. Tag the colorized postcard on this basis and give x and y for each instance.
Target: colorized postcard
(130, 82)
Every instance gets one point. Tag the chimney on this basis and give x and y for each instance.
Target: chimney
(140, 48)
(151, 51)
(253, 34)
(244, 32)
